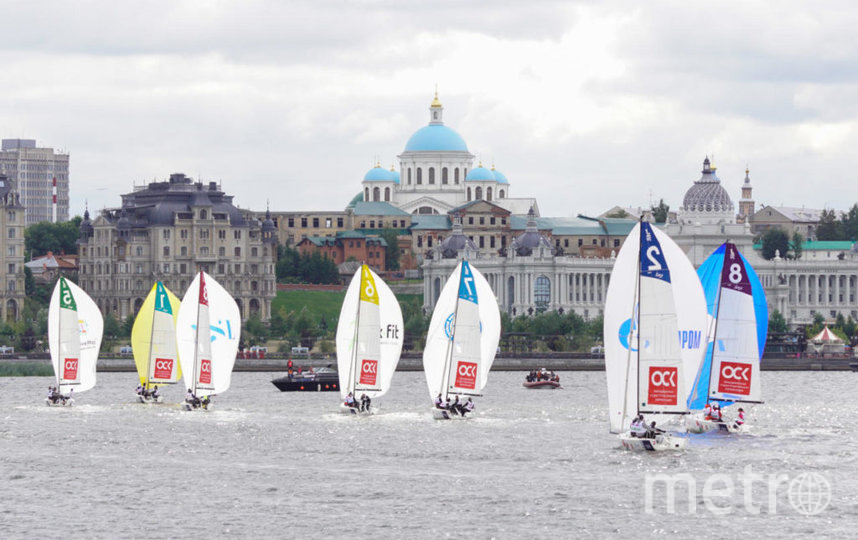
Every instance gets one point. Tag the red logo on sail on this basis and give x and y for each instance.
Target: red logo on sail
(368, 372)
(466, 375)
(163, 368)
(204, 292)
(205, 371)
(663, 385)
(70, 369)
(735, 378)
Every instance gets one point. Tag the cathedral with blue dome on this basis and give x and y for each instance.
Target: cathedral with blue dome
(437, 174)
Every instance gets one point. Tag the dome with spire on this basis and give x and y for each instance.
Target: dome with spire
(395, 174)
(530, 239)
(436, 137)
(707, 194)
(379, 174)
(501, 179)
(457, 241)
(480, 174)
(85, 227)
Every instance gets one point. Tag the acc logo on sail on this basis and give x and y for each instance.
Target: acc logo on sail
(368, 372)
(735, 378)
(163, 368)
(70, 368)
(663, 385)
(466, 375)
(206, 371)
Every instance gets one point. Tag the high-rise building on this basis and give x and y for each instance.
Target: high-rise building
(11, 252)
(169, 231)
(40, 176)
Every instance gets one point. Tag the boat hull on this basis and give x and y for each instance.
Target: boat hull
(188, 407)
(536, 385)
(444, 414)
(59, 403)
(142, 399)
(661, 443)
(286, 384)
(354, 411)
(698, 424)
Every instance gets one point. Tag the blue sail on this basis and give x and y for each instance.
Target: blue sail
(710, 273)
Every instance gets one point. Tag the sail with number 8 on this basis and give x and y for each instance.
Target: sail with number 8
(75, 327)
(463, 335)
(153, 338)
(208, 328)
(369, 336)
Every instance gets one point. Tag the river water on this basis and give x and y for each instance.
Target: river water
(530, 464)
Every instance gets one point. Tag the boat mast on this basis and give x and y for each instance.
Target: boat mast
(632, 325)
(197, 341)
(638, 322)
(61, 361)
(151, 336)
(445, 379)
(352, 367)
(715, 328)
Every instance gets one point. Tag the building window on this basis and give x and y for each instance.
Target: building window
(488, 193)
(431, 175)
(478, 193)
(428, 241)
(419, 241)
(339, 223)
(419, 175)
(303, 223)
(500, 194)
(221, 234)
(409, 176)
(11, 268)
(139, 251)
(542, 293)
(482, 241)
(254, 252)
(204, 234)
(387, 194)
(616, 242)
(492, 220)
(376, 194)
(444, 179)
(221, 251)
(204, 214)
(372, 224)
(328, 223)
(166, 234)
(291, 222)
(456, 176)
(492, 241)
(238, 252)
(469, 194)
(204, 250)
(166, 251)
(236, 235)
(184, 251)
(184, 234)
(482, 220)
(220, 269)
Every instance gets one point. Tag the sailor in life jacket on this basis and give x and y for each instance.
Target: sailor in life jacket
(439, 403)
(716, 413)
(740, 420)
(468, 407)
(707, 411)
(638, 427)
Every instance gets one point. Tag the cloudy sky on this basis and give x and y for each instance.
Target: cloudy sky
(582, 105)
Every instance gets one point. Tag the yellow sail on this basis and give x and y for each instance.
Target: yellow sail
(153, 338)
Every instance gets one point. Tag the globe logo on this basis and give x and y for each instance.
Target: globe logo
(809, 493)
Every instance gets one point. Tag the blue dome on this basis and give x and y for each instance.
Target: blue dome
(436, 138)
(500, 177)
(481, 174)
(377, 174)
(395, 175)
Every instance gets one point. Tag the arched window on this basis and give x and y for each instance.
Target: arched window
(469, 194)
(419, 175)
(204, 214)
(478, 193)
(456, 176)
(542, 293)
(409, 176)
(366, 194)
(376, 194)
(431, 175)
(510, 290)
(444, 179)
(488, 193)
(500, 194)
(387, 194)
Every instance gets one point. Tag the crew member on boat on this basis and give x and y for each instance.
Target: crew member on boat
(154, 393)
(365, 403)
(439, 403)
(740, 418)
(715, 415)
(350, 401)
(468, 407)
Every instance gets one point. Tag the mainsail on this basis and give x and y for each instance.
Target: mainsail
(369, 335)
(75, 327)
(207, 329)
(654, 326)
(463, 335)
(736, 305)
(153, 338)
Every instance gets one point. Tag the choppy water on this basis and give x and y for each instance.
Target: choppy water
(530, 464)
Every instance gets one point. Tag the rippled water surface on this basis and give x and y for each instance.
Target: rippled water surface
(532, 463)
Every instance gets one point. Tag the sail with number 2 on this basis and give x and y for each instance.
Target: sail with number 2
(75, 327)
(369, 336)
(208, 329)
(153, 338)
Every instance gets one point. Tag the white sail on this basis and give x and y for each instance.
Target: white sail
(654, 304)
(369, 335)
(75, 328)
(463, 335)
(207, 329)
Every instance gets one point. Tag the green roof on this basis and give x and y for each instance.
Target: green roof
(378, 209)
(356, 199)
(430, 222)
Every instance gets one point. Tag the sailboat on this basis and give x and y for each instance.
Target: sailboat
(153, 341)
(462, 339)
(730, 371)
(75, 327)
(207, 332)
(369, 339)
(654, 330)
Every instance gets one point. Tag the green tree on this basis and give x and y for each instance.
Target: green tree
(660, 212)
(796, 245)
(255, 331)
(816, 327)
(40, 238)
(775, 240)
(618, 214)
(29, 282)
(777, 322)
(829, 228)
(391, 257)
(111, 327)
(849, 224)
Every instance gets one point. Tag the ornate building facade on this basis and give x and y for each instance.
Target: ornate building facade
(168, 231)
